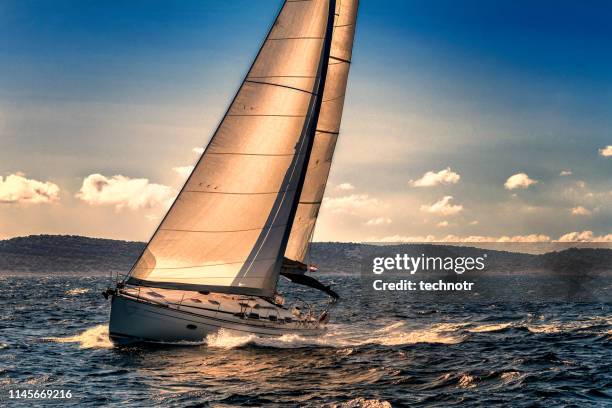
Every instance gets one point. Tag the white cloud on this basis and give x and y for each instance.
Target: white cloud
(16, 188)
(351, 204)
(442, 224)
(565, 173)
(580, 210)
(345, 187)
(430, 179)
(183, 171)
(124, 192)
(584, 236)
(198, 150)
(403, 238)
(606, 151)
(443, 207)
(378, 221)
(475, 222)
(519, 180)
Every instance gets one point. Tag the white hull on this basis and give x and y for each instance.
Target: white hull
(136, 320)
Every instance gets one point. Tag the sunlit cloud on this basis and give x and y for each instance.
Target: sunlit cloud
(584, 236)
(443, 207)
(519, 180)
(16, 188)
(475, 222)
(198, 150)
(378, 221)
(606, 151)
(124, 192)
(430, 179)
(351, 204)
(464, 239)
(345, 187)
(580, 210)
(565, 173)
(183, 171)
(442, 224)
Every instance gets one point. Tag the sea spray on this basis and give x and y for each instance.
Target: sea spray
(94, 337)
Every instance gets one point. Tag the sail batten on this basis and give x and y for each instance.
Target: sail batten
(228, 228)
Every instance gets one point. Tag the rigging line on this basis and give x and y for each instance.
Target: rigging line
(218, 231)
(230, 193)
(279, 85)
(310, 202)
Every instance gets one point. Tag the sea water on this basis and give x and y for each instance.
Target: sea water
(394, 350)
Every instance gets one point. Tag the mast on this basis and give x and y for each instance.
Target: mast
(228, 228)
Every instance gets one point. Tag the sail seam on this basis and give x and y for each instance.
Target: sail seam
(283, 76)
(294, 38)
(219, 231)
(334, 98)
(282, 116)
(254, 154)
(204, 266)
(310, 202)
(279, 85)
(328, 132)
(340, 59)
(225, 192)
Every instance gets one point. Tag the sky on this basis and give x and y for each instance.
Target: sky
(473, 120)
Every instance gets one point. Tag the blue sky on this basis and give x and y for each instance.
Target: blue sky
(487, 89)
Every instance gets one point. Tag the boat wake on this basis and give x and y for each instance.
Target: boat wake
(339, 336)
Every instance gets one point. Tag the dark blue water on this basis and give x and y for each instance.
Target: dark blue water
(382, 351)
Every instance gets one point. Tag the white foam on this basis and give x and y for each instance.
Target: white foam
(467, 381)
(94, 337)
(489, 327)
(363, 403)
(77, 291)
(345, 336)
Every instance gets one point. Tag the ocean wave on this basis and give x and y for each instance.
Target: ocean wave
(94, 337)
(489, 328)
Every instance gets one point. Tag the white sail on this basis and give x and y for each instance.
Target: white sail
(327, 130)
(228, 228)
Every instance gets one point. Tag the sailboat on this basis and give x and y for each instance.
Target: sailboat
(247, 213)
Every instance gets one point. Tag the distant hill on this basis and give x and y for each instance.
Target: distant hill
(75, 254)
(67, 254)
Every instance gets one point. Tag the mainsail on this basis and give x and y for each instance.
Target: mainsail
(229, 227)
